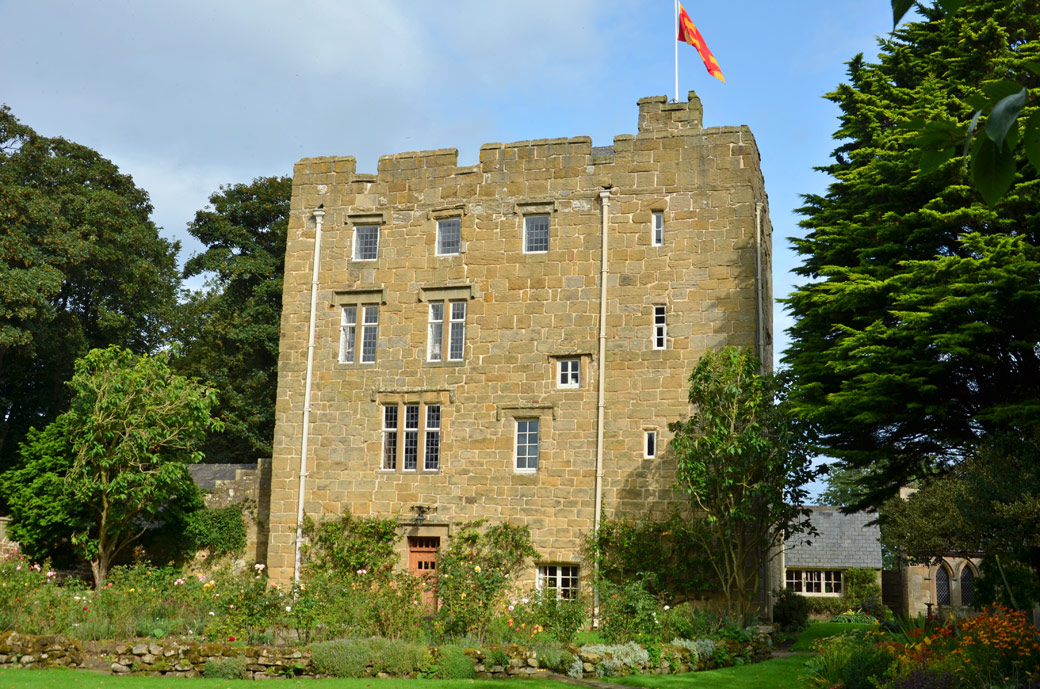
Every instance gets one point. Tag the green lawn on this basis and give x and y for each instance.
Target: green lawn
(74, 679)
(779, 673)
(821, 629)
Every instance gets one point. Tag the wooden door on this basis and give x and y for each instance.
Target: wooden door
(422, 562)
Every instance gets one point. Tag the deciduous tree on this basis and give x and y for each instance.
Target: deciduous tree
(115, 464)
(81, 266)
(743, 457)
(916, 333)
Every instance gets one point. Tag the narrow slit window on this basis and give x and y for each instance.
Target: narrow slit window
(660, 327)
(657, 229)
(651, 445)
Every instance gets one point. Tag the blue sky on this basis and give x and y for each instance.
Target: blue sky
(188, 95)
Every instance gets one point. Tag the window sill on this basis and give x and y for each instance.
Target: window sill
(441, 364)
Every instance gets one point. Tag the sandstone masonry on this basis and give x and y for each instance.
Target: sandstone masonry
(467, 301)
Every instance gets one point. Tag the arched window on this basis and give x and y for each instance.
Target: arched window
(942, 585)
(967, 585)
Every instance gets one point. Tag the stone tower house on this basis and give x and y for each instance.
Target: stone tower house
(461, 367)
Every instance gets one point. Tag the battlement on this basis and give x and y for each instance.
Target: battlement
(657, 114)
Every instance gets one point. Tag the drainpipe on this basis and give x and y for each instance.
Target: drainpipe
(604, 197)
(759, 293)
(319, 214)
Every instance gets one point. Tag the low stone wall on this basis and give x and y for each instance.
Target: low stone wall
(176, 659)
(189, 660)
(26, 650)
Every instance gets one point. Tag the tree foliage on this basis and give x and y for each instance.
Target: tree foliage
(230, 330)
(81, 266)
(115, 464)
(988, 505)
(916, 333)
(743, 458)
(666, 557)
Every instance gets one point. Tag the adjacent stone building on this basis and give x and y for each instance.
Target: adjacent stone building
(813, 565)
(478, 350)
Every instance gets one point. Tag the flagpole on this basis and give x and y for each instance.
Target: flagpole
(675, 16)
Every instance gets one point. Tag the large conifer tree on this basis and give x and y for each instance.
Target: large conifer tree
(917, 332)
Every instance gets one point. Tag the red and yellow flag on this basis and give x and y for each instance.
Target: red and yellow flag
(688, 33)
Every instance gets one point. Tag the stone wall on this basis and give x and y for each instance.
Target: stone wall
(176, 659)
(524, 313)
(248, 485)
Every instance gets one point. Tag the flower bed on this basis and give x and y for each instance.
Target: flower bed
(997, 648)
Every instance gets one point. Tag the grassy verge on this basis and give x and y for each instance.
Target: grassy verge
(779, 673)
(75, 679)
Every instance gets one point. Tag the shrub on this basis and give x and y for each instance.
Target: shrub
(826, 606)
(552, 656)
(629, 612)
(790, 610)
(544, 612)
(221, 531)
(858, 585)
(826, 668)
(226, 668)
(497, 657)
(700, 649)
(630, 654)
(475, 573)
(398, 658)
(453, 663)
(854, 618)
(686, 621)
(341, 658)
(865, 664)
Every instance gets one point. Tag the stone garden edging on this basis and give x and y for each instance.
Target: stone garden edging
(171, 658)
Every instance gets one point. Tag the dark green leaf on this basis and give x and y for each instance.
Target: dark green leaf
(1003, 116)
(998, 90)
(992, 169)
(978, 101)
(932, 160)
(1033, 67)
(900, 8)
